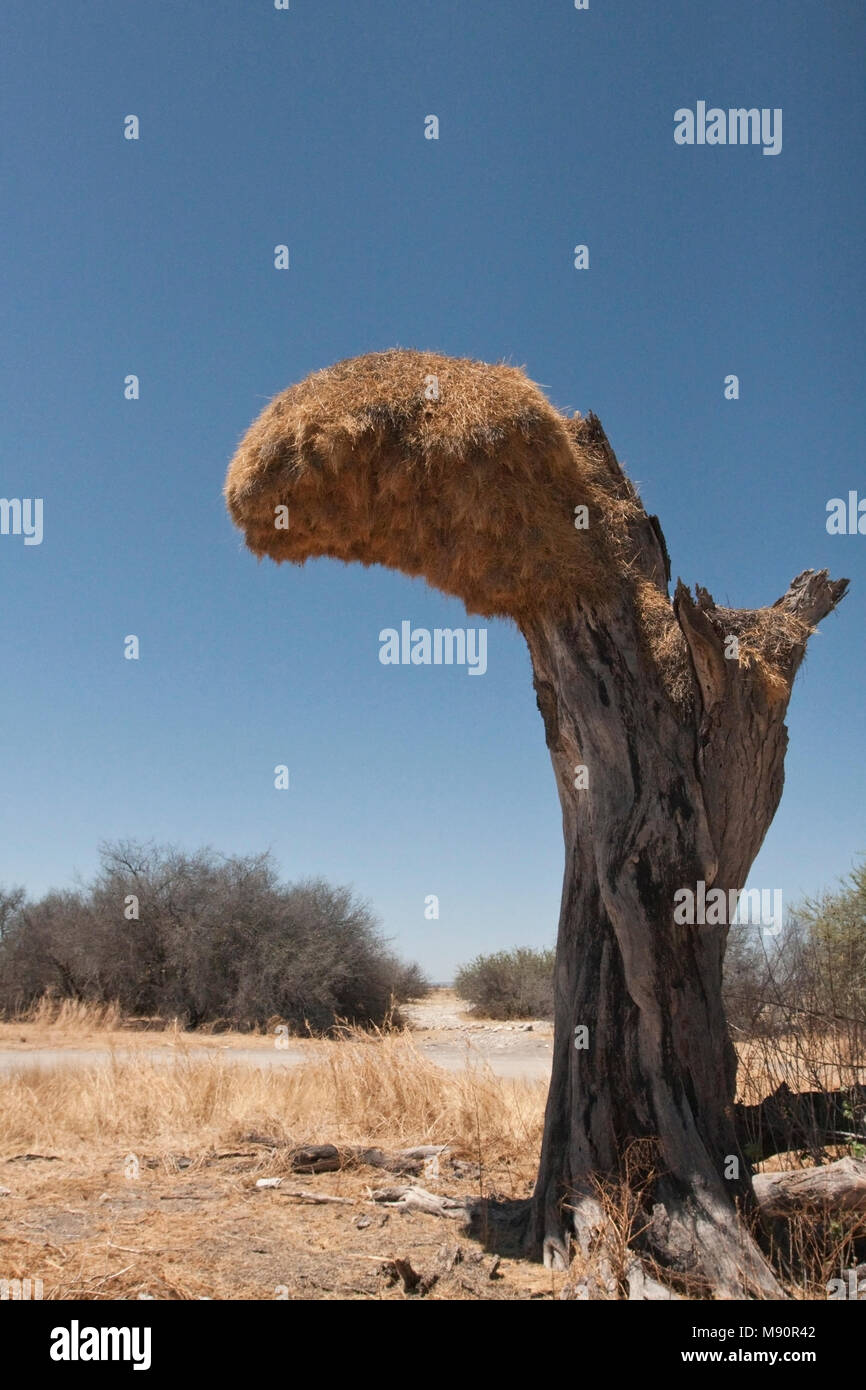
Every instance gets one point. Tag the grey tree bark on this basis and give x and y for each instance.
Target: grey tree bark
(676, 795)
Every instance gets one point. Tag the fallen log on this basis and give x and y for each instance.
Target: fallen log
(839, 1186)
(809, 1120)
(318, 1198)
(301, 1194)
(327, 1158)
(418, 1199)
(407, 1161)
(317, 1158)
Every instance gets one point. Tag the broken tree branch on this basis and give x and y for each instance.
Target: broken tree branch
(788, 1120)
(328, 1158)
(418, 1199)
(839, 1186)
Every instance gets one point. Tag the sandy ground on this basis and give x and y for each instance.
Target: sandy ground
(445, 1032)
(209, 1232)
(452, 1038)
(142, 1182)
(191, 1223)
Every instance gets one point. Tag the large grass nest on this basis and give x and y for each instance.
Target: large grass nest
(465, 474)
(437, 466)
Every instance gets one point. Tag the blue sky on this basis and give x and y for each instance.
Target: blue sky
(155, 257)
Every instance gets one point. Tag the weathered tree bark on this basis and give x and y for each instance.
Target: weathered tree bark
(839, 1186)
(681, 733)
(677, 793)
(327, 1158)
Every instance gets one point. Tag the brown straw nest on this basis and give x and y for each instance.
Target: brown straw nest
(437, 466)
(464, 473)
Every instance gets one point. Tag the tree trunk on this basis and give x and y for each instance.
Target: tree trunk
(679, 791)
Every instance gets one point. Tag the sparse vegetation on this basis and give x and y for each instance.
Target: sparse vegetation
(200, 1134)
(205, 939)
(809, 982)
(202, 1129)
(812, 978)
(186, 1220)
(509, 984)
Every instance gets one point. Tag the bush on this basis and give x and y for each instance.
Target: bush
(509, 984)
(747, 983)
(812, 977)
(809, 980)
(203, 938)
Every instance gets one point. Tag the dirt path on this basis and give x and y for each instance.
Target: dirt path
(444, 1032)
(528, 1062)
(452, 1038)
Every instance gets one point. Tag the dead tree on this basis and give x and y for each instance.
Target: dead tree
(665, 724)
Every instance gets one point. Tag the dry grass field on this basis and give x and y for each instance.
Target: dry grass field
(137, 1177)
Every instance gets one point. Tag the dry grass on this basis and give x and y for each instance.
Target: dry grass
(376, 1088)
(69, 1023)
(191, 1223)
(201, 1131)
(767, 639)
(74, 1016)
(665, 643)
(805, 1061)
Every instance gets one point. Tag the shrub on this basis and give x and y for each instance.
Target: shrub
(812, 977)
(509, 984)
(214, 938)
